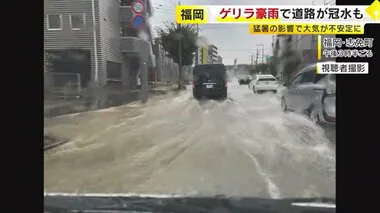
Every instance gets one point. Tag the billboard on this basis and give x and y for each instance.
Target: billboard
(204, 55)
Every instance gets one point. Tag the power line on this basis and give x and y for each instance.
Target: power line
(171, 2)
(165, 12)
(165, 6)
(252, 49)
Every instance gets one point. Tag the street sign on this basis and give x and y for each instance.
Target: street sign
(138, 7)
(138, 21)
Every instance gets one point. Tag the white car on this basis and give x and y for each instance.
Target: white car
(264, 83)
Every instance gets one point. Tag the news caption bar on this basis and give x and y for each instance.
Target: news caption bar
(289, 19)
(342, 68)
(331, 48)
(295, 19)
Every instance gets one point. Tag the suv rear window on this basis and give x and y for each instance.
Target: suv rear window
(205, 73)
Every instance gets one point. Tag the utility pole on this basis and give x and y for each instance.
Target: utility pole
(251, 58)
(144, 70)
(179, 55)
(96, 77)
(262, 56)
(257, 56)
(197, 53)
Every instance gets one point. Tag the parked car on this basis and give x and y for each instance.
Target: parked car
(251, 78)
(263, 83)
(210, 80)
(311, 94)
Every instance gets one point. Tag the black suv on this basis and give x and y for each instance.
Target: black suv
(210, 80)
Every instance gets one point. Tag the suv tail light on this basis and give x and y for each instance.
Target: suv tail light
(225, 84)
(193, 83)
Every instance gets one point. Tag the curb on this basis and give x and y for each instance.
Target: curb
(153, 92)
(51, 146)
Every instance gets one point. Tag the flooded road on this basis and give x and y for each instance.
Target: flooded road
(244, 146)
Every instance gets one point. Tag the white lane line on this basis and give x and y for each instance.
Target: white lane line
(320, 205)
(273, 190)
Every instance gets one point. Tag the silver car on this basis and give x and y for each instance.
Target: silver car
(311, 94)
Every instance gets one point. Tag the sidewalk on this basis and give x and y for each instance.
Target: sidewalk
(113, 98)
(52, 108)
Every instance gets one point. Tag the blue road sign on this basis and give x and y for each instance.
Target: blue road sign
(138, 21)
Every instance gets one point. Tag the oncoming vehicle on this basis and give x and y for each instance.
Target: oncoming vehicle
(311, 94)
(210, 81)
(264, 83)
(244, 80)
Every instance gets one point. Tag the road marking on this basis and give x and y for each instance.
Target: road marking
(320, 205)
(273, 190)
(50, 146)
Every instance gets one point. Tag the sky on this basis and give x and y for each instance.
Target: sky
(232, 40)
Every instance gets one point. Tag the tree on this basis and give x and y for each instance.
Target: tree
(259, 68)
(175, 38)
(272, 65)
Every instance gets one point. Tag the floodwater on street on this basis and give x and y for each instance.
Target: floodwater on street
(244, 146)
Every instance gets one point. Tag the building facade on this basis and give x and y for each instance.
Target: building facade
(95, 39)
(293, 52)
(212, 54)
(208, 55)
(220, 60)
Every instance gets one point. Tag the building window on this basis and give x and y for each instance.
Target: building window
(289, 38)
(77, 21)
(129, 32)
(313, 38)
(54, 22)
(113, 70)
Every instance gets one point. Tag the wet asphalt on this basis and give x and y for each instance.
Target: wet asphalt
(243, 146)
